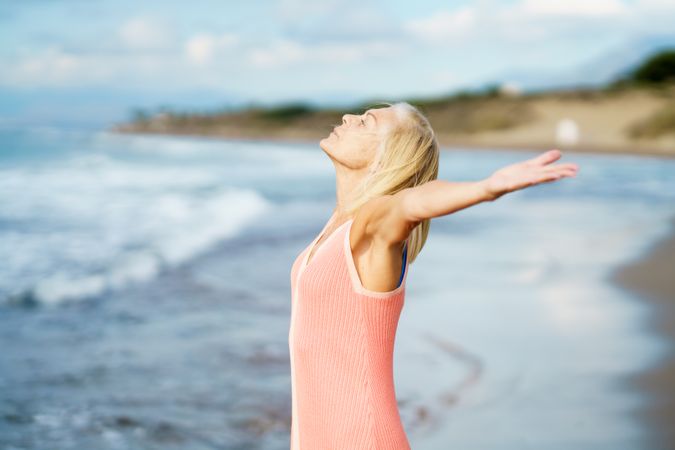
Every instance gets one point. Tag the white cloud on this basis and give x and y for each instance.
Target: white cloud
(461, 43)
(293, 10)
(572, 8)
(654, 5)
(282, 51)
(201, 48)
(444, 24)
(533, 20)
(336, 20)
(67, 69)
(285, 51)
(29, 71)
(143, 33)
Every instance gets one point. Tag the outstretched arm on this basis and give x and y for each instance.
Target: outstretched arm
(402, 211)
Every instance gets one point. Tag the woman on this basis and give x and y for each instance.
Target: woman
(348, 285)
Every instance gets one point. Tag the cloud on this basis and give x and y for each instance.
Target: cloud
(444, 24)
(280, 52)
(60, 65)
(283, 51)
(200, 49)
(144, 33)
(341, 37)
(572, 8)
(310, 21)
(56, 66)
(526, 21)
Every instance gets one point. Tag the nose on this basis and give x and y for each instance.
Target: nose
(344, 118)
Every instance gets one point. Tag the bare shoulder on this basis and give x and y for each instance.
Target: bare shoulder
(383, 219)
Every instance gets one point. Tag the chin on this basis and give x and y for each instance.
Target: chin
(325, 144)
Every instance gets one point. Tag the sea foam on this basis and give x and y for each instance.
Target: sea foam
(92, 222)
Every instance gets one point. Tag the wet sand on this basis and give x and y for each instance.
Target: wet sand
(651, 279)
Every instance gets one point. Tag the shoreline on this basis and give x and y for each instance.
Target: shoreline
(631, 121)
(651, 279)
(444, 143)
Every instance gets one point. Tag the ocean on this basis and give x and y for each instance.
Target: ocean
(145, 296)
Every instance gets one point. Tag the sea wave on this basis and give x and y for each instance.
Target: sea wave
(176, 231)
(78, 228)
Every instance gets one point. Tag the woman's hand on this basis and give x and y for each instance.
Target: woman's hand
(528, 173)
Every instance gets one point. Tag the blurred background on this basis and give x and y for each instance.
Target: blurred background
(160, 171)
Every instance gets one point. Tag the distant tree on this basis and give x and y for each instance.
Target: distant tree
(492, 90)
(286, 112)
(657, 69)
(164, 110)
(465, 94)
(139, 115)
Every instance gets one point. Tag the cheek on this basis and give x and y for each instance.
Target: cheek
(357, 148)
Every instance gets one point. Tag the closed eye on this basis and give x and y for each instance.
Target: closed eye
(369, 114)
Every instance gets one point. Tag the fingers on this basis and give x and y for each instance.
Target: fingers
(552, 175)
(567, 166)
(546, 157)
(549, 177)
(568, 169)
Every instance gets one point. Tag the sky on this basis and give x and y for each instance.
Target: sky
(93, 61)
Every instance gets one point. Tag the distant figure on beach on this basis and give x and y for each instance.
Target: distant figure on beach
(348, 284)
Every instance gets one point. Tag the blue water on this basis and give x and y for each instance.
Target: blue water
(145, 295)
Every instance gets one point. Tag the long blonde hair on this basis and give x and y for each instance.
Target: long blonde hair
(407, 157)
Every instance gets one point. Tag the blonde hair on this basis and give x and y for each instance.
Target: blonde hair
(407, 156)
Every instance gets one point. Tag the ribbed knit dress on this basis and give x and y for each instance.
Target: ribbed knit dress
(341, 342)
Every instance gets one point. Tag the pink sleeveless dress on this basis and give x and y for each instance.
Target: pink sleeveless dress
(341, 342)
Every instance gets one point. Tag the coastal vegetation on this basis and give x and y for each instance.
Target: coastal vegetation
(633, 113)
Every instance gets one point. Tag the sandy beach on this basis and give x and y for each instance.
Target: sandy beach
(652, 280)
